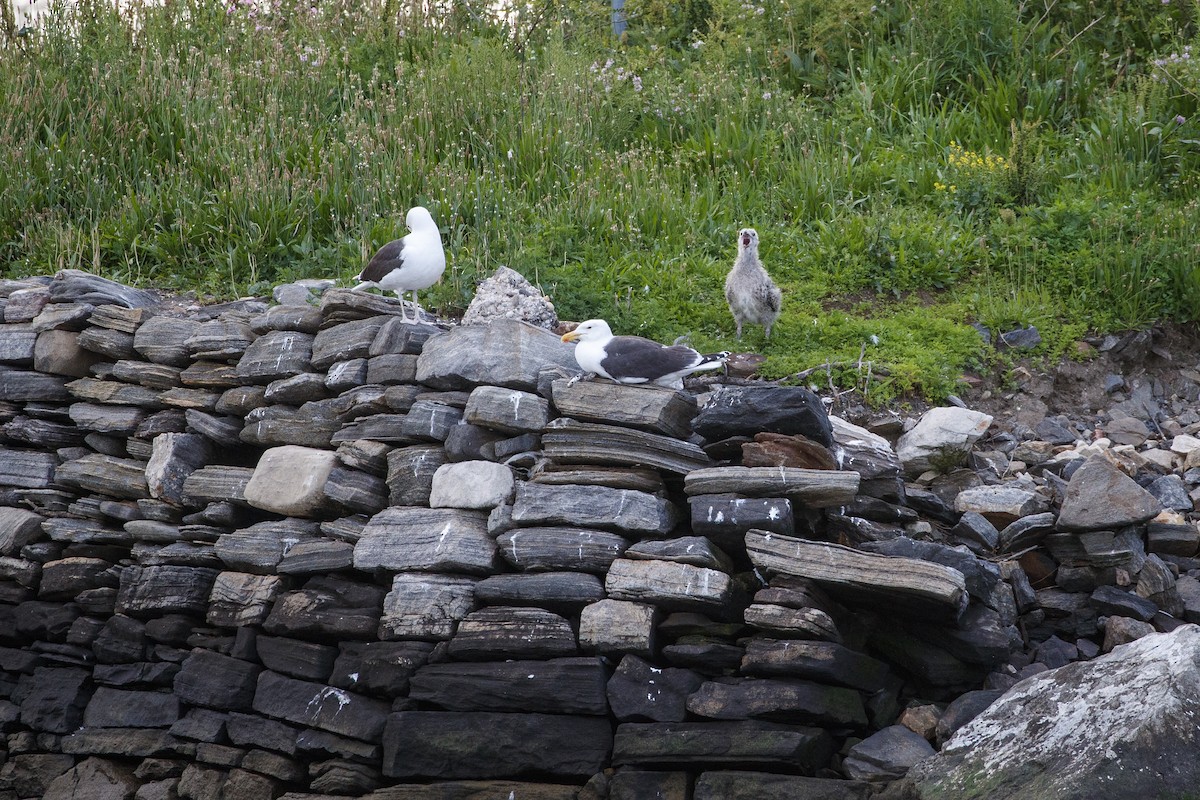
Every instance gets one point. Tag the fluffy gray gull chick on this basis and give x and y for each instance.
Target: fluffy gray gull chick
(405, 265)
(752, 296)
(632, 359)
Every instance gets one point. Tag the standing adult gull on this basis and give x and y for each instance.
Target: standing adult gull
(752, 296)
(406, 265)
(633, 359)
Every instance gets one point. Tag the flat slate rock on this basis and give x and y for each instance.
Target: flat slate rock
(275, 355)
(108, 475)
(555, 686)
(708, 744)
(640, 691)
(328, 607)
(26, 469)
(426, 540)
(492, 745)
(26, 386)
(561, 548)
(810, 488)
(345, 341)
(506, 353)
(825, 662)
(908, 585)
(507, 410)
(163, 340)
(512, 632)
(651, 408)
(668, 584)
(601, 507)
(320, 706)
(747, 785)
(550, 590)
(569, 441)
(778, 698)
(158, 590)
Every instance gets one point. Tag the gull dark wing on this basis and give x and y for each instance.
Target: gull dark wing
(389, 257)
(632, 357)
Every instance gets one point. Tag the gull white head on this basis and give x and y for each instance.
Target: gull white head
(748, 240)
(419, 218)
(590, 331)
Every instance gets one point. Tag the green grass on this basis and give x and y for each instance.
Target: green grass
(911, 167)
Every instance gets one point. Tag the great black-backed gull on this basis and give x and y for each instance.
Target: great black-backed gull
(633, 359)
(752, 296)
(405, 265)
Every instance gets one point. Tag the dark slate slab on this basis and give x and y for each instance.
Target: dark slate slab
(319, 706)
(504, 632)
(24, 386)
(259, 548)
(824, 662)
(791, 700)
(707, 744)
(213, 680)
(226, 337)
(295, 658)
(117, 708)
(568, 441)
(490, 745)
(112, 344)
(639, 691)
(153, 591)
(725, 518)
(52, 700)
(560, 548)
(115, 477)
(328, 608)
(379, 668)
(551, 590)
(556, 686)
(77, 286)
(747, 785)
(397, 337)
(426, 606)
(747, 410)
(650, 408)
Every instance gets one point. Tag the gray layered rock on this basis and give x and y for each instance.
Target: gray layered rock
(652, 408)
(504, 353)
(1081, 731)
(426, 540)
(593, 507)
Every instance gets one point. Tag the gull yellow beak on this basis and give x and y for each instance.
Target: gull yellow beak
(570, 337)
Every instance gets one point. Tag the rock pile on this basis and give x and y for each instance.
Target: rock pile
(300, 551)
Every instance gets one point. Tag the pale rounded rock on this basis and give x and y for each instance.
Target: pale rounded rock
(471, 484)
(290, 480)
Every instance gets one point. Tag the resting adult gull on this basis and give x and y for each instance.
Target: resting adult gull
(633, 359)
(406, 265)
(752, 296)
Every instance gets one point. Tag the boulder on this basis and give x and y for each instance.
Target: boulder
(506, 353)
(1086, 730)
(290, 480)
(941, 439)
(1100, 496)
